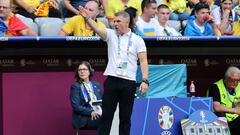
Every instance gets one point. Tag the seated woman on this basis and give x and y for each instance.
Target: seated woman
(84, 92)
(133, 17)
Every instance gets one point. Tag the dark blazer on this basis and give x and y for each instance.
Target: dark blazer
(80, 103)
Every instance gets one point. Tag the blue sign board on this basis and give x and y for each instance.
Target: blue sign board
(162, 116)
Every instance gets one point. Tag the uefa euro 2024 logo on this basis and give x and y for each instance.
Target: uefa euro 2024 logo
(165, 118)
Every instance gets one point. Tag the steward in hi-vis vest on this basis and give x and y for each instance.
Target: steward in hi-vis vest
(226, 98)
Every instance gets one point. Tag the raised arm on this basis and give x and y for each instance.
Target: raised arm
(67, 5)
(102, 32)
(225, 20)
(216, 30)
(25, 6)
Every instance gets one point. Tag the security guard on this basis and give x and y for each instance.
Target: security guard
(226, 93)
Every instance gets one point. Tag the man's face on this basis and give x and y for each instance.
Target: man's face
(92, 8)
(232, 81)
(151, 10)
(201, 14)
(163, 15)
(120, 24)
(4, 9)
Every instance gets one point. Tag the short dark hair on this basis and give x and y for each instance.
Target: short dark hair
(162, 6)
(201, 5)
(88, 65)
(223, 1)
(123, 14)
(132, 13)
(146, 3)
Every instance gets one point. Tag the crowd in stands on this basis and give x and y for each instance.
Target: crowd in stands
(148, 17)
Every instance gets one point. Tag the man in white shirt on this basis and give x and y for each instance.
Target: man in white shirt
(163, 17)
(124, 50)
(147, 24)
(198, 25)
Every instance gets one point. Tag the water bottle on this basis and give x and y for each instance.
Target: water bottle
(192, 89)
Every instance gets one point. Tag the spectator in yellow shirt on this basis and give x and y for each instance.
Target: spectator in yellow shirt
(236, 28)
(77, 25)
(113, 6)
(178, 9)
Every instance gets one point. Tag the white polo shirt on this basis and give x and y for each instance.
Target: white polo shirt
(136, 46)
(171, 31)
(150, 28)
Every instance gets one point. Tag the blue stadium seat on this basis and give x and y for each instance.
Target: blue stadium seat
(41, 20)
(105, 21)
(66, 19)
(29, 22)
(174, 24)
(49, 26)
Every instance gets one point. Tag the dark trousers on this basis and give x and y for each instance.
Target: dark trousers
(92, 124)
(117, 90)
(234, 126)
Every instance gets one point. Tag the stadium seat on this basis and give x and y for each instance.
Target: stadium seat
(66, 19)
(50, 28)
(184, 23)
(41, 20)
(174, 24)
(29, 22)
(104, 20)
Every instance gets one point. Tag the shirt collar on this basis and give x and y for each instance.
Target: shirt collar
(128, 33)
(232, 92)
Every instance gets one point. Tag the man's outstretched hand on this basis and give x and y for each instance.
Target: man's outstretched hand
(84, 12)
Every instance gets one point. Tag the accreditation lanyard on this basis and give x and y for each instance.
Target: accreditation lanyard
(129, 44)
(84, 92)
(90, 91)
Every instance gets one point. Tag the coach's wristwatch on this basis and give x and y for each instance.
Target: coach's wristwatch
(145, 81)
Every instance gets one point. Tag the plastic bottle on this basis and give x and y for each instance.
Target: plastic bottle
(192, 90)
